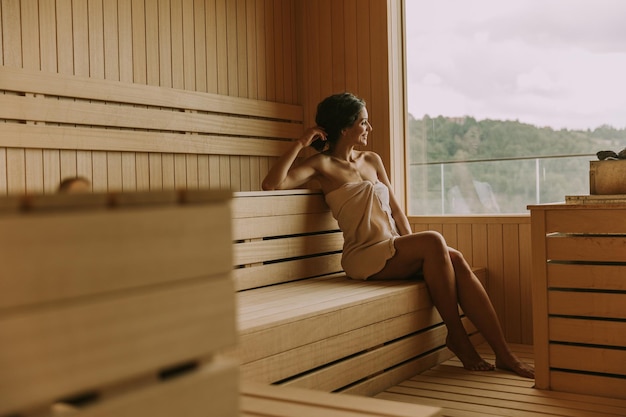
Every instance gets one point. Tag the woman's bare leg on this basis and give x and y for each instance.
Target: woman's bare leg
(477, 306)
(429, 251)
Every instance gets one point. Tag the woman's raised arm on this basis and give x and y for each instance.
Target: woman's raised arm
(282, 175)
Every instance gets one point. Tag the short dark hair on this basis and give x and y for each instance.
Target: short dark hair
(336, 113)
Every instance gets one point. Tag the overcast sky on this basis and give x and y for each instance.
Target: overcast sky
(557, 63)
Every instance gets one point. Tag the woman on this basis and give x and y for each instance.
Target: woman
(379, 243)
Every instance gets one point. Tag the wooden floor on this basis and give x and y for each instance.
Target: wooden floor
(463, 393)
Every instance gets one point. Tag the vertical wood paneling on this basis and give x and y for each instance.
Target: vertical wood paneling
(84, 165)
(142, 166)
(525, 263)
(279, 37)
(33, 160)
(99, 180)
(270, 62)
(167, 163)
(165, 44)
(189, 59)
(180, 171)
(242, 49)
(339, 55)
(111, 41)
(251, 50)
(67, 160)
(245, 48)
(47, 38)
(96, 38)
(351, 35)
(3, 171)
(211, 46)
(511, 261)
(504, 248)
(139, 41)
(53, 168)
(495, 266)
(232, 54)
(114, 171)
(153, 46)
(156, 169)
(64, 37)
(178, 72)
(81, 38)
(200, 45)
(125, 39)
(129, 177)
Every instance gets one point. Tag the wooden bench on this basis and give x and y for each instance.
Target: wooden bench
(303, 323)
(116, 305)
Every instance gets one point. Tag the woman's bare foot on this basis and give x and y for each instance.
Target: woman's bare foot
(513, 364)
(464, 350)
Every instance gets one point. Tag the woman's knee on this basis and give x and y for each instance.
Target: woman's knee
(436, 244)
(457, 258)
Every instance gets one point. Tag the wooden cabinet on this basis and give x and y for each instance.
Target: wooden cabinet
(579, 297)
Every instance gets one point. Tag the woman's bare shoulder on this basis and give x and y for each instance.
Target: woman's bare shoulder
(371, 157)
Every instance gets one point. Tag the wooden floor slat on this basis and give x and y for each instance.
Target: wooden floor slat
(463, 393)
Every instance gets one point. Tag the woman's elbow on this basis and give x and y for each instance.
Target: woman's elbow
(269, 185)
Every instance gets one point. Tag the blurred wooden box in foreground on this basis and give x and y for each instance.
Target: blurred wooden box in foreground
(607, 177)
(119, 299)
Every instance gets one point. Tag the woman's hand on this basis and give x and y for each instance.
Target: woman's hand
(311, 135)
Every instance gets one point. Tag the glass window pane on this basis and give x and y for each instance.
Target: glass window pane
(508, 101)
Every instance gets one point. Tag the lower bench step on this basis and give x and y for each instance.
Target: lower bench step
(274, 401)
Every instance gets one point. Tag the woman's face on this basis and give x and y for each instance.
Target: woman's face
(358, 132)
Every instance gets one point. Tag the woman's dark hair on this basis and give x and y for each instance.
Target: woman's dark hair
(334, 114)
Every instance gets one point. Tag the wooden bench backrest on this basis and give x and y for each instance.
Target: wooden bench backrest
(102, 289)
(283, 236)
(52, 111)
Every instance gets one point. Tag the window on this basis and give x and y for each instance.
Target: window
(508, 101)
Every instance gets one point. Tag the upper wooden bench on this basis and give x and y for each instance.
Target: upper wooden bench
(303, 323)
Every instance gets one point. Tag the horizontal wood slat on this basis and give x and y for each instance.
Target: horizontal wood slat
(588, 359)
(589, 304)
(117, 337)
(271, 401)
(259, 227)
(143, 246)
(41, 82)
(586, 248)
(585, 219)
(594, 332)
(210, 390)
(588, 384)
(278, 203)
(592, 277)
(260, 275)
(273, 249)
(100, 139)
(36, 109)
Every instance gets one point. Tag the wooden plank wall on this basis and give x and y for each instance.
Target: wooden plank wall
(344, 48)
(242, 48)
(502, 245)
(289, 51)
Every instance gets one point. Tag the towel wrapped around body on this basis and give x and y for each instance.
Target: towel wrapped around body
(364, 216)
